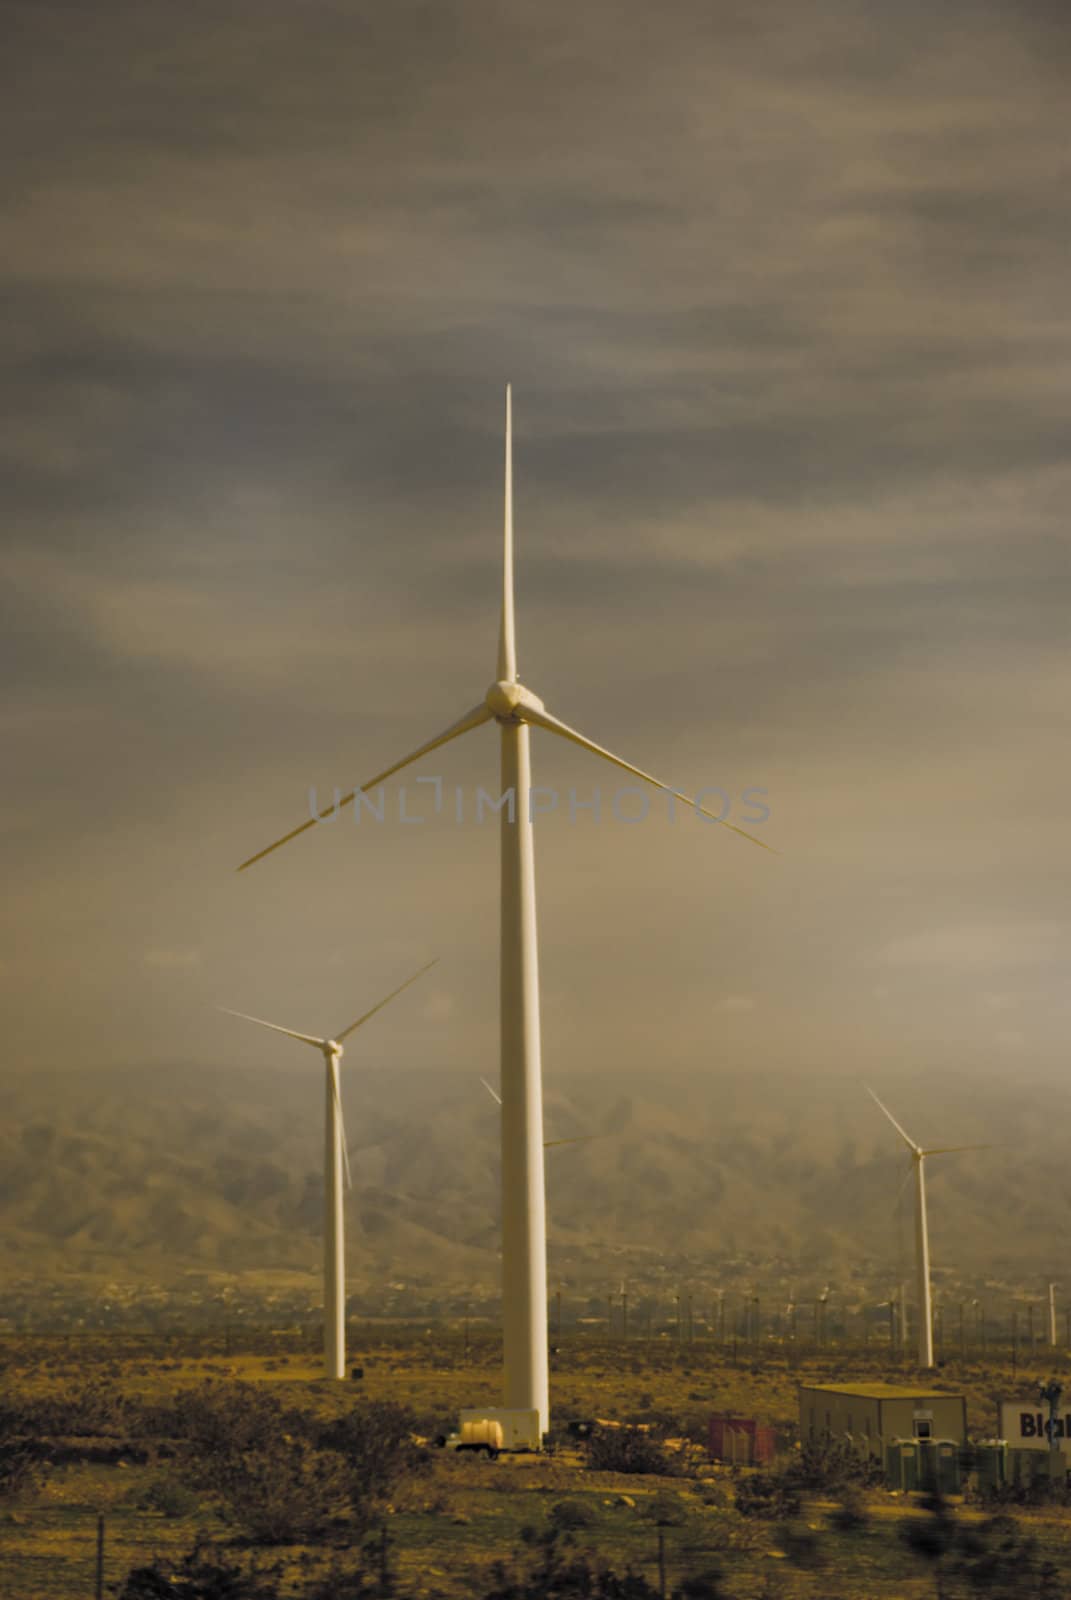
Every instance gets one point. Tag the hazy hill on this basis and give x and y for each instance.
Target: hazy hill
(137, 1175)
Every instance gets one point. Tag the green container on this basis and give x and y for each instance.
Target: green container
(991, 1465)
(1028, 1466)
(927, 1449)
(948, 1474)
(902, 1464)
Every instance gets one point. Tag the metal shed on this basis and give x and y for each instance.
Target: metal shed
(871, 1415)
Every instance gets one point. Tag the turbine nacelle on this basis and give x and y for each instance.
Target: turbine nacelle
(331, 1048)
(508, 702)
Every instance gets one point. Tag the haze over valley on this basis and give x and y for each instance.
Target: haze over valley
(197, 1180)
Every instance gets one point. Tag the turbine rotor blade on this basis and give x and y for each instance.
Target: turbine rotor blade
(471, 719)
(951, 1149)
(306, 1038)
(507, 645)
(905, 1137)
(543, 719)
(495, 1096)
(385, 1002)
(580, 1138)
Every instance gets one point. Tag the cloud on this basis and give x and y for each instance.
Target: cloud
(439, 1006)
(981, 947)
(172, 960)
(781, 291)
(737, 1002)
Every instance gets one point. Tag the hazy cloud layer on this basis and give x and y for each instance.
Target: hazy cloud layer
(782, 293)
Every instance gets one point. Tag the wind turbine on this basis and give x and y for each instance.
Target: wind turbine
(922, 1231)
(524, 1246)
(336, 1161)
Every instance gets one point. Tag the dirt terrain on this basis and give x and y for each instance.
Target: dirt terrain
(448, 1525)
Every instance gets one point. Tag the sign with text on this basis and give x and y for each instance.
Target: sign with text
(1025, 1424)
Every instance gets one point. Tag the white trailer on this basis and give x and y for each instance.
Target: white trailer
(491, 1429)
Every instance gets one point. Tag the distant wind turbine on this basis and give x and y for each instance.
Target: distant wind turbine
(524, 1244)
(922, 1231)
(336, 1161)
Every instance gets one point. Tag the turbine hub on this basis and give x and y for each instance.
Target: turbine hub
(331, 1048)
(507, 701)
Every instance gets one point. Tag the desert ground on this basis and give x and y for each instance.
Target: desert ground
(94, 1412)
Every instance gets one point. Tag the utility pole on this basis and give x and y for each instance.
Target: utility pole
(384, 1562)
(903, 1321)
(100, 1558)
(1052, 1315)
(1050, 1392)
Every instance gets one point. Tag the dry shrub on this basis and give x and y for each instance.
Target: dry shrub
(628, 1450)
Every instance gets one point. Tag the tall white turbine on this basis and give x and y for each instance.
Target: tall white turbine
(524, 1249)
(922, 1232)
(336, 1161)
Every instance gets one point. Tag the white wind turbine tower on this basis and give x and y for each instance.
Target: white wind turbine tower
(524, 1247)
(922, 1231)
(336, 1161)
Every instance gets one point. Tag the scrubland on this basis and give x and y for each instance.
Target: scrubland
(227, 1469)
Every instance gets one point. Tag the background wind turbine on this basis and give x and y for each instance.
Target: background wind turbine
(336, 1162)
(524, 1245)
(922, 1231)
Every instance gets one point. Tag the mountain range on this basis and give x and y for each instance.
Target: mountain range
(151, 1177)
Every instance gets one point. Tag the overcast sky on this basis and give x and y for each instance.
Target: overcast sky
(782, 293)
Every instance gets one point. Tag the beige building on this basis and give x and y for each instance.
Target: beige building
(873, 1414)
